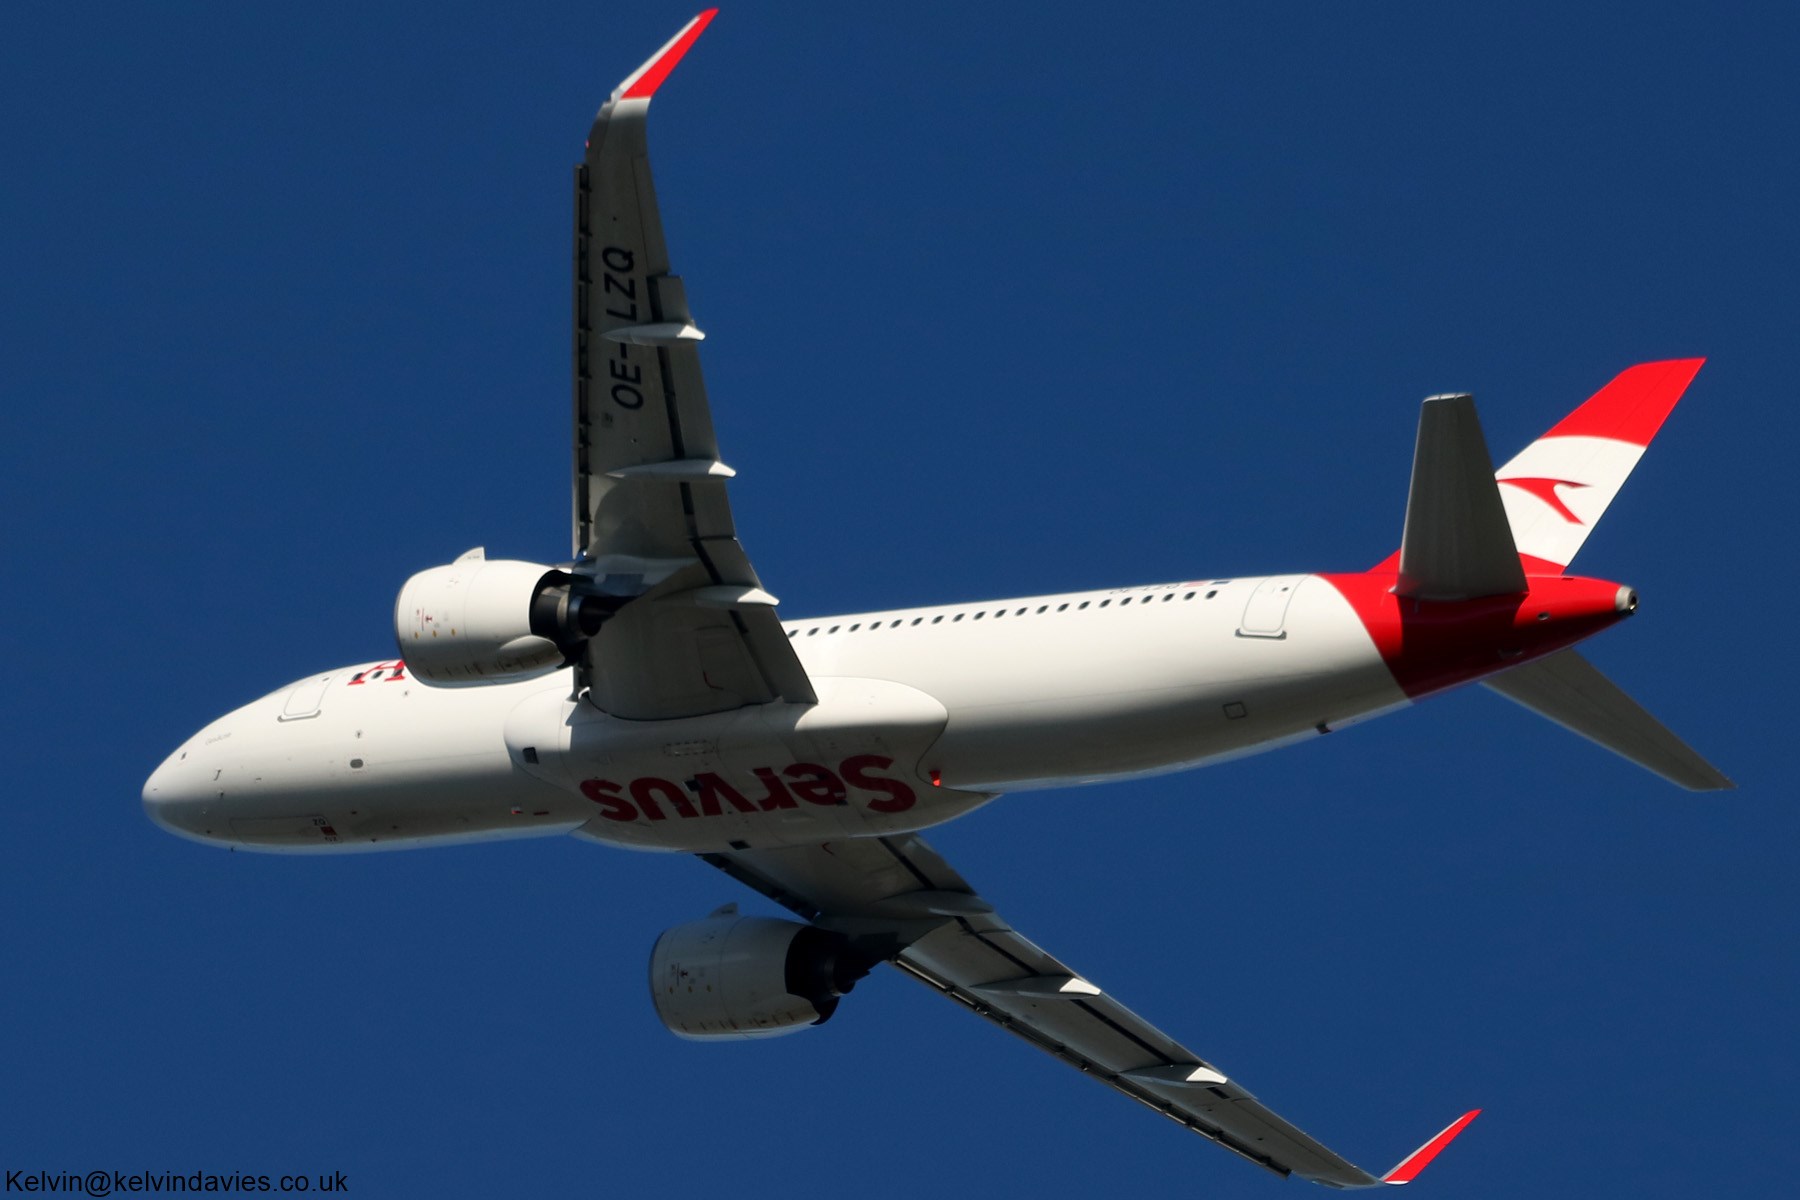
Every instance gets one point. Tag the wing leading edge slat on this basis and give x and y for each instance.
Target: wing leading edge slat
(892, 887)
(695, 631)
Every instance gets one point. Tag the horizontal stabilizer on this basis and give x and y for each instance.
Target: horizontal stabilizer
(1457, 544)
(1567, 689)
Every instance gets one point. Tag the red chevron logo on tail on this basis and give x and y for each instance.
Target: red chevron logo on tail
(1545, 490)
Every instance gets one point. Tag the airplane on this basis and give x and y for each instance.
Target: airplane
(645, 694)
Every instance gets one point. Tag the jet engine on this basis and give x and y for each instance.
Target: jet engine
(731, 976)
(488, 621)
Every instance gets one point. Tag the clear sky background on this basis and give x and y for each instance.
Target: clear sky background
(1047, 298)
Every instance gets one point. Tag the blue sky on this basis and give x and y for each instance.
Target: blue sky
(1058, 297)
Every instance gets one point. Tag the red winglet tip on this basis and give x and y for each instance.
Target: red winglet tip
(658, 68)
(1419, 1159)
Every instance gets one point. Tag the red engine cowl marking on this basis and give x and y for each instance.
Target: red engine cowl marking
(1432, 645)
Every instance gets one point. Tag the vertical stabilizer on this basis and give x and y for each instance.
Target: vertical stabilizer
(1457, 544)
(1557, 488)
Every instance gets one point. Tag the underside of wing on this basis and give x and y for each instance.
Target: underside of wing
(690, 628)
(899, 897)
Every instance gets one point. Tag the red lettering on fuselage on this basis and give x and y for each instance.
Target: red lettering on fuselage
(613, 806)
(811, 782)
(391, 672)
(897, 796)
(778, 795)
(645, 790)
(816, 784)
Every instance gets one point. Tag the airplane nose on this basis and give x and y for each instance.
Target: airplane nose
(175, 797)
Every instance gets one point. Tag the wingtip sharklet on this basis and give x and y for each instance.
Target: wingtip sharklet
(642, 83)
(1410, 1166)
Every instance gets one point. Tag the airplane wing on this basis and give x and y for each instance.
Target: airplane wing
(898, 892)
(692, 629)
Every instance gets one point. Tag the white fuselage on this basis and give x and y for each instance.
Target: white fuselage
(923, 714)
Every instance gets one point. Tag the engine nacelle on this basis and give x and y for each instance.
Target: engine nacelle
(750, 977)
(487, 621)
